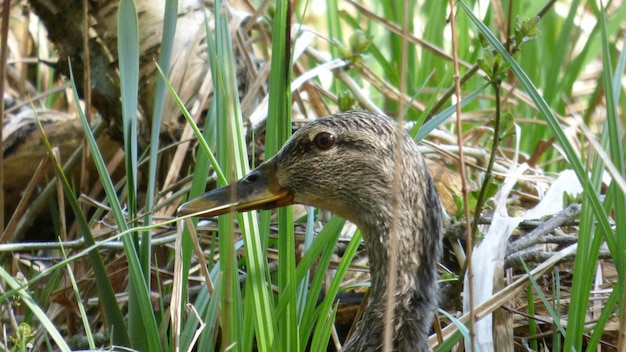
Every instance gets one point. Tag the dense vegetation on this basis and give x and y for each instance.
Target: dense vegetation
(540, 92)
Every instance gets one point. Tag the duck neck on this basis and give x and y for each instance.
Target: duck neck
(417, 253)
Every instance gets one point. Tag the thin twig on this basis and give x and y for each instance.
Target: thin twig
(75, 244)
(480, 202)
(516, 260)
(84, 173)
(464, 188)
(544, 229)
(392, 262)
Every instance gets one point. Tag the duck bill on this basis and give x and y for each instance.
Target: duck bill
(258, 190)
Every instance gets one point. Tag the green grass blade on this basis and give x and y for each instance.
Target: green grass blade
(591, 49)
(550, 118)
(277, 132)
(324, 244)
(147, 330)
(110, 305)
(556, 320)
(559, 53)
(605, 317)
(431, 102)
(128, 57)
(587, 260)
(232, 156)
(204, 146)
(443, 116)
(79, 303)
(619, 67)
(26, 299)
(589, 240)
(429, 63)
(303, 285)
(615, 140)
(213, 310)
(462, 332)
(320, 337)
(556, 299)
(201, 169)
(167, 43)
(232, 315)
(128, 48)
(532, 323)
(584, 267)
(334, 32)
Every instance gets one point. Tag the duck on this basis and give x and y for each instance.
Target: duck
(345, 163)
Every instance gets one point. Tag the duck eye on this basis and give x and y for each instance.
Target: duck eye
(324, 140)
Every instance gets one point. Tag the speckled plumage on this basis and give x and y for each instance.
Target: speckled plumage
(353, 178)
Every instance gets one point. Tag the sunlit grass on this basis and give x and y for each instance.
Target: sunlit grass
(246, 302)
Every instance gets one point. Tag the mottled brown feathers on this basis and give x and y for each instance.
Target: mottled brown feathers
(353, 178)
(346, 163)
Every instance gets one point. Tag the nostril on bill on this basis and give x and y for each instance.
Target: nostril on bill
(252, 177)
